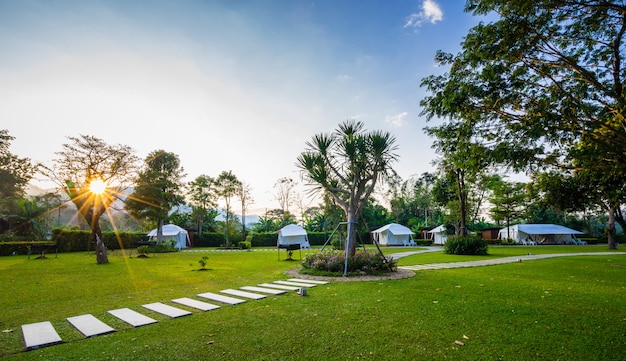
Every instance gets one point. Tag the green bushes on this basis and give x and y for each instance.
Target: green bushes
(468, 245)
(331, 262)
(209, 239)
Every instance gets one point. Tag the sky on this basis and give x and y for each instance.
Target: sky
(225, 84)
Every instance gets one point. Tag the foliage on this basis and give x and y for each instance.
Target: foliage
(228, 186)
(158, 188)
(550, 76)
(333, 262)
(203, 261)
(15, 173)
(203, 195)
(86, 159)
(347, 165)
(209, 239)
(245, 245)
(466, 245)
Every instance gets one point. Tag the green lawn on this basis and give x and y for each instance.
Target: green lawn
(570, 308)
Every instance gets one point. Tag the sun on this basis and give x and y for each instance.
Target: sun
(97, 186)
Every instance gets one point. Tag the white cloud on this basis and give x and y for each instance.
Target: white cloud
(397, 120)
(431, 12)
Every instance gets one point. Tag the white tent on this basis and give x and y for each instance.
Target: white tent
(439, 235)
(293, 234)
(394, 234)
(540, 234)
(172, 231)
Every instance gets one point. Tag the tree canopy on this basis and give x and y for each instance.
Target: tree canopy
(543, 86)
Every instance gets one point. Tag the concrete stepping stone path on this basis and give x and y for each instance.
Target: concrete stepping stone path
(131, 317)
(244, 294)
(315, 282)
(40, 334)
(220, 298)
(263, 290)
(89, 325)
(295, 284)
(166, 310)
(204, 306)
(280, 287)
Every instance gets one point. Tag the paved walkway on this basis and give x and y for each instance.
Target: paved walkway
(491, 262)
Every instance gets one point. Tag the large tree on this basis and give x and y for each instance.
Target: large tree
(544, 84)
(347, 164)
(158, 189)
(93, 174)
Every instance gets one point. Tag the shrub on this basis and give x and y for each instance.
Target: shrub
(333, 262)
(245, 245)
(467, 245)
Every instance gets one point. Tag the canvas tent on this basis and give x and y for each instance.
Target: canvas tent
(172, 231)
(292, 235)
(540, 234)
(394, 234)
(439, 235)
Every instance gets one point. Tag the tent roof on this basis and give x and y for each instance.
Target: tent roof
(292, 230)
(168, 230)
(394, 228)
(438, 229)
(543, 229)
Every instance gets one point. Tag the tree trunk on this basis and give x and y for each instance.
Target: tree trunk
(160, 231)
(101, 250)
(611, 228)
(460, 183)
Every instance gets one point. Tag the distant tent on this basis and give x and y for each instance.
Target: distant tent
(540, 234)
(172, 231)
(439, 235)
(292, 234)
(393, 234)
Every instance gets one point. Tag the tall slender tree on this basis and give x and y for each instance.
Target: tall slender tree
(228, 186)
(203, 195)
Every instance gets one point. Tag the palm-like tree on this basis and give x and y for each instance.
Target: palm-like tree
(348, 164)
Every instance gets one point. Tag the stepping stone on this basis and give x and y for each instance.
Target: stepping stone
(135, 319)
(40, 334)
(196, 304)
(166, 310)
(280, 287)
(263, 290)
(296, 284)
(89, 325)
(221, 298)
(244, 294)
(308, 281)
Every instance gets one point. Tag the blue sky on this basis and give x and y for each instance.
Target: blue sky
(226, 85)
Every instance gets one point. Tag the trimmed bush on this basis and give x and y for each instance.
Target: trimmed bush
(209, 239)
(468, 245)
(331, 262)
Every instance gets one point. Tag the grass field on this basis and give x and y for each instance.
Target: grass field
(569, 308)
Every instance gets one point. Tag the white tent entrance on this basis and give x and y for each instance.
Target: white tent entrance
(292, 237)
(540, 234)
(394, 234)
(172, 231)
(439, 235)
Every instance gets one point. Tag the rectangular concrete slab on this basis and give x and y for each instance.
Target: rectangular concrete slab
(280, 287)
(316, 282)
(135, 319)
(244, 294)
(166, 310)
(204, 306)
(221, 298)
(263, 290)
(89, 325)
(295, 284)
(40, 334)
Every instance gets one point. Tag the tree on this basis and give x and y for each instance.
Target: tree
(228, 186)
(15, 173)
(203, 195)
(284, 187)
(508, 199)
(245, 196)
(93, 174)
(550, 76)
(158, 189)
(347, 164)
